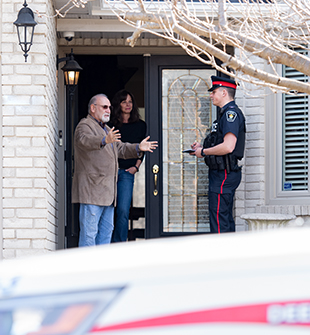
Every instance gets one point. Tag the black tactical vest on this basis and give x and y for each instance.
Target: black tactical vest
(214, 138)
(220, 163)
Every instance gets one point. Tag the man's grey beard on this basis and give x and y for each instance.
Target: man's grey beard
(105, 119)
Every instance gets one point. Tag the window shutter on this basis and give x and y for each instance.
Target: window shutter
(295, 136)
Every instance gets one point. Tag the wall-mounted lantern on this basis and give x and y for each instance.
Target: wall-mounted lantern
(25, 24)
(71, 71)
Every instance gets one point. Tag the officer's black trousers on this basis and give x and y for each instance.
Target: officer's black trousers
(220, 212)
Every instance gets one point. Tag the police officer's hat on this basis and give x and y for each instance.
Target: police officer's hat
(222, 82)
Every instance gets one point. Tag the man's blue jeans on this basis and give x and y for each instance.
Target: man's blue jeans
(96, 224)
(124, 195)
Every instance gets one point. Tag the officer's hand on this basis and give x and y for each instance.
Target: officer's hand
(197, 152)
(196, 145)
(113, 136)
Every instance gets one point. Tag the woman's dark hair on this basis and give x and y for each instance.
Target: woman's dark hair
(116, 117)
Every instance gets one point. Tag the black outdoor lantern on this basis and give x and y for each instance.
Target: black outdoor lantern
(25, 24)
(71, 72)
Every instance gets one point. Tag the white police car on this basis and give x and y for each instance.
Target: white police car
(243, 284)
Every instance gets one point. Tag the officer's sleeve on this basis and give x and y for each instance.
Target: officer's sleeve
(231, 121)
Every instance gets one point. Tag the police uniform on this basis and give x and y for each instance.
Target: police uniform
(224, 181)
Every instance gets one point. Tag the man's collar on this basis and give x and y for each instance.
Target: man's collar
(225, 107)
(232, 102)
(228, 104)
(101, 124)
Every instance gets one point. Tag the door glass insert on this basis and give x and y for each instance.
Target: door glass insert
(187, 117)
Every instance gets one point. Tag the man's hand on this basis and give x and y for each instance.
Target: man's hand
(197, 147)
(146, 145)
(113, 136)
(221, 149)
(197, 153)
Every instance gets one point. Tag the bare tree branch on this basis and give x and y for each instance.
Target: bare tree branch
(277, 31)
(64, 10)
(271, 30)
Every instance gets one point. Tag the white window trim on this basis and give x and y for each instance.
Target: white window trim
(273, 153)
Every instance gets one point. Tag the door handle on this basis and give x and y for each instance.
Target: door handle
(155, 170)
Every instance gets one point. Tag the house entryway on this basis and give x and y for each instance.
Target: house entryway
(107, 74)
(172, 94)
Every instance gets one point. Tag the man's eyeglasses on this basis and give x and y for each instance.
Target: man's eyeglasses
(105, 107)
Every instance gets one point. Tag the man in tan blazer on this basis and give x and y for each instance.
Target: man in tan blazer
(96, 151)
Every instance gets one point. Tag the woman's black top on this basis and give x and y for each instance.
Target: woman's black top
(132, 133)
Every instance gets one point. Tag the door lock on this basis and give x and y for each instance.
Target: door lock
(155, 170)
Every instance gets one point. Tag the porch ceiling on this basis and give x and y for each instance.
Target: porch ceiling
(76, 11)
(92, 21)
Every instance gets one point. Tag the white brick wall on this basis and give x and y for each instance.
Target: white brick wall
(29, 128)
(251, 192)
(251, 196)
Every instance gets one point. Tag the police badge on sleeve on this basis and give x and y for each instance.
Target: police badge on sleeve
(231, 116)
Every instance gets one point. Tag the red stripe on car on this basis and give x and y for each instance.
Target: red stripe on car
(293, 313)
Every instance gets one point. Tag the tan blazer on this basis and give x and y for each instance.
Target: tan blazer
(96, 166)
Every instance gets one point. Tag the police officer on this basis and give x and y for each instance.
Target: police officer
(222, 156)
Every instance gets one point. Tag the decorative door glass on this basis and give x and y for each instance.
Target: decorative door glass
(187, 117)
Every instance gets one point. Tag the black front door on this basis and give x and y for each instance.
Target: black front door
(178, 112)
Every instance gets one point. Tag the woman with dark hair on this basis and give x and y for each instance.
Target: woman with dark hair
(126, 118)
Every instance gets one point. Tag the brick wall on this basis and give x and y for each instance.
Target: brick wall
(29, 128)
(251, 192)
